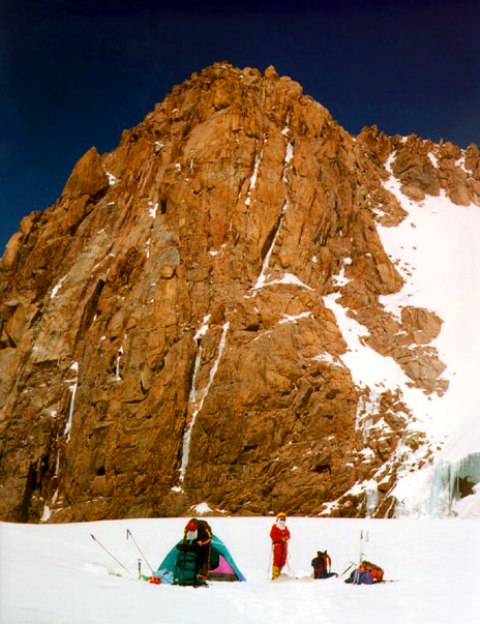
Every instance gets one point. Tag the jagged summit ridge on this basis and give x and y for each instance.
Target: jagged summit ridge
(165, 338)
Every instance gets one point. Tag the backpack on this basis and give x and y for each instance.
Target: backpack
(204, 527)
(366, 574)
(373, 572)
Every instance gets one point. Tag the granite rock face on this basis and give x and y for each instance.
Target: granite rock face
(164, 336)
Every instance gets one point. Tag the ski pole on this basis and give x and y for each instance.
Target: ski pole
(129, 534)
(292, 572)
(347, 568)
(356, 577)
(270, 563)
(109, 553)
(362, 546)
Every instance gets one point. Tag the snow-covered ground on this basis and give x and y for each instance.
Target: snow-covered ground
(56, 574)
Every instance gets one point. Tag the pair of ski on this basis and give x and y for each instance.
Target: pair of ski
(363, 541)
(124, 567)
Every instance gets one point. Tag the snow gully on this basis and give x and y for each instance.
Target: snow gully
(194, 393)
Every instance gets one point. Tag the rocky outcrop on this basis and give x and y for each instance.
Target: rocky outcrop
(164, 338)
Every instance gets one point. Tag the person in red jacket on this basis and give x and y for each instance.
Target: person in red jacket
(279, 535)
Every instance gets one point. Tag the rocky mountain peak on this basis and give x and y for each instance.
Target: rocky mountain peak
(165, 338)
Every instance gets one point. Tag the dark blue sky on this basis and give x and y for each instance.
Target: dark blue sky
(75, 74)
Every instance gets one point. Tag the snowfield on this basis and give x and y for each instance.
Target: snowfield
(56, 574)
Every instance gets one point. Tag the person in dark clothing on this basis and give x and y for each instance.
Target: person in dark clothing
(321, 565)
(197, 535)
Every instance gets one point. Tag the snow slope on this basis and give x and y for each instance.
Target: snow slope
(436, 251)
(56, 574)
(438, 242)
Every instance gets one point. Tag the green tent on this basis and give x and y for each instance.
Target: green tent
(222, 565)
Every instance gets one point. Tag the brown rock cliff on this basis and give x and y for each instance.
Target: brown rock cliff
(164, 339)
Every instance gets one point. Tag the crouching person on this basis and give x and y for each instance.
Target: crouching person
(322, 565)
